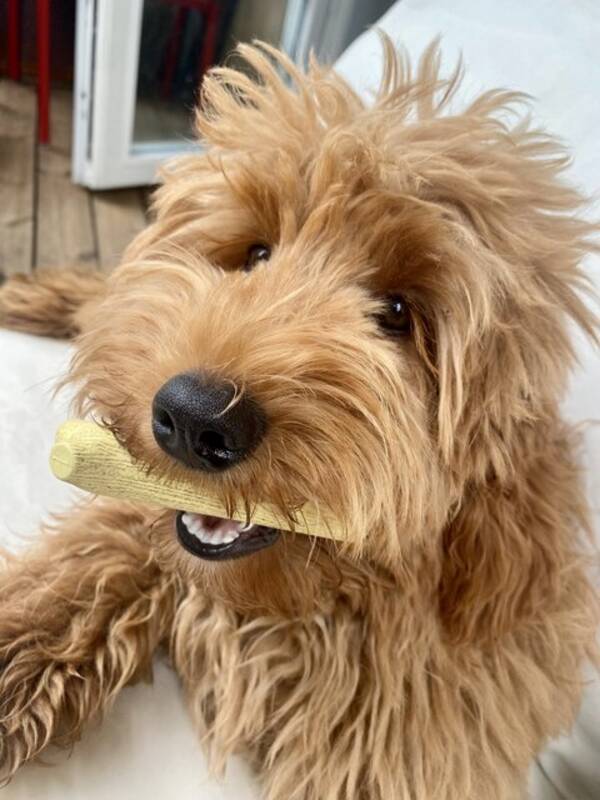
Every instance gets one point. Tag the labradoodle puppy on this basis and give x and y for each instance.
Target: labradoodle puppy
(365, 307)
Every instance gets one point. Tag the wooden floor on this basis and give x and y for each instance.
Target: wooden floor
(45, 219)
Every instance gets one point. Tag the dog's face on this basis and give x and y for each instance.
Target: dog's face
(357, 307)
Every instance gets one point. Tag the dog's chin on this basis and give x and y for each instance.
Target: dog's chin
(215, 539)
(260, 570)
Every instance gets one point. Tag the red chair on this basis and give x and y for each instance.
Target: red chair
(43, 54)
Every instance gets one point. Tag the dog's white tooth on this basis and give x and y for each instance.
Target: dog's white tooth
(212, 536)
(191, 522)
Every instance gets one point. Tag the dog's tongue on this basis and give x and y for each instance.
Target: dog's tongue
(214, 530)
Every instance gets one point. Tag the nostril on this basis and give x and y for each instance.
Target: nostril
(164, 423)
(212, 440)
(211, 447)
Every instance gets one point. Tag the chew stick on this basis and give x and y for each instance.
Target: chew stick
(88, 456)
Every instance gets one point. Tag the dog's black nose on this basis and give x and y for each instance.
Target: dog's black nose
(197, 419)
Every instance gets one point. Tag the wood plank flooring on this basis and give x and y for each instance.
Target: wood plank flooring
(119, 217)
(45, 219)
(65, 232)
(17, 170)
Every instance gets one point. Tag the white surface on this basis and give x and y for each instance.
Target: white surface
(146, 747)
(28, 418)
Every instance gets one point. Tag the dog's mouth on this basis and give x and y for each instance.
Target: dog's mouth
(217, 539)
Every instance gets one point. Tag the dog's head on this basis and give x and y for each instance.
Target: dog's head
(359, 306)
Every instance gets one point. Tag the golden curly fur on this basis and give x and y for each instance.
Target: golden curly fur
(431, 655)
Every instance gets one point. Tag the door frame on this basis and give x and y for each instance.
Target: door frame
(108, 34)
(106, 70)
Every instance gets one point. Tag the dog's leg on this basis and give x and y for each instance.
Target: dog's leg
(80, 616)
(49, 302)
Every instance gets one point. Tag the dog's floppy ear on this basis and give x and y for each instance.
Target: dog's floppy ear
(502, 351)
(501, 367)
(502, 332)
(501, 374)
(511, 552)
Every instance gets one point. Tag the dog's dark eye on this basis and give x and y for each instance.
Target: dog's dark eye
(256, 253)
(395, 315)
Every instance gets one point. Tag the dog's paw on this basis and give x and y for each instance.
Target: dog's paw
(44, 699)
(32, 692)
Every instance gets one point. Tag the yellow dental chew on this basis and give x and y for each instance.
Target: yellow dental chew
(88, 456)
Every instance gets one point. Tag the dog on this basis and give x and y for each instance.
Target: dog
(366, 307)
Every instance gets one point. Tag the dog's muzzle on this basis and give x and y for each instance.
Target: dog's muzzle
(198, 420)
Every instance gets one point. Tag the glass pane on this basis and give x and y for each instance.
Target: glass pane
(180, 40)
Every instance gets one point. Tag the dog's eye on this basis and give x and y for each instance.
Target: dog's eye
(256, 253)
(395, 315)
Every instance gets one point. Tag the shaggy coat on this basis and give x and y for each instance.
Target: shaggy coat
(431, 654)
